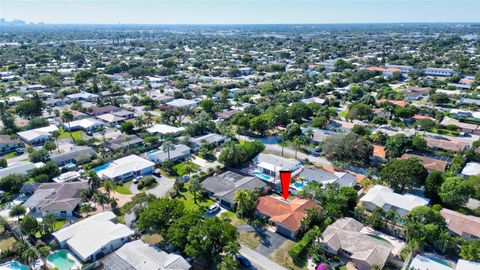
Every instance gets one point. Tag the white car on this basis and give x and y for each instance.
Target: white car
(213, 208)
(137, 179)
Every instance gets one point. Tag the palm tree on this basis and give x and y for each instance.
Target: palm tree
(56, 135)
(108, 186)
(148, 118)
(67, 117)
(93, 179)
(101, 198)
(281, 139)
(17, 211)
(168, 146)
(244, 203)
(297, 141)
(195, 187)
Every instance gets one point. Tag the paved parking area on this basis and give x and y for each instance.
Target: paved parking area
(269, 242)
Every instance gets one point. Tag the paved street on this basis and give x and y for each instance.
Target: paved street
(260, 261)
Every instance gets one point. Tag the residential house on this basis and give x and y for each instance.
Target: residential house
(76, 155)
(37, 136)
(137, 255)
(451, 146)
(471, 169)
(464, 127)
(111, 119)
(285, 215)
(163, 129)
(343, 179)
(19, 167)
(87, 124)
(178, 152)
(93, 237)
(182, 103)
(122, 143)
(224, 187)
(429, 163)
(127, 167)
(425, 263)
(270, 165)
(227, 114)
(209, 139)
(82, 96)
(466, 226)
(313, 100)
(385, 198)
(443, 72)
(60, 199)
(7, 144)
(96, 111)
(347, 237)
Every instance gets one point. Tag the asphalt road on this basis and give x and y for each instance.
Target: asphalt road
(260, 261)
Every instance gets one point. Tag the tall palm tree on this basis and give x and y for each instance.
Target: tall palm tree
(297, 141)
(168, 146)
(281, 139)
(17, 211)
(67, 117)
(101, 198)
(103, 131)
(195, 187)
(148, 118)
(56, 135)
(244, 202)
(108, 186)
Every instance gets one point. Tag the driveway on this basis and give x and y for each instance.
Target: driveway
(269, 242)
(205, 164)
(260, 261)
(164, 185)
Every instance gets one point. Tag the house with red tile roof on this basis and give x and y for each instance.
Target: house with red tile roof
(451, 146)
(285, 215)
(430, 164)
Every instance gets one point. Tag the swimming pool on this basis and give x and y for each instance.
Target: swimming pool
(101, 167)
(70, 165)
(14, 265)
(262, 176)
(60, 260)
(152, 151)
(299, 185)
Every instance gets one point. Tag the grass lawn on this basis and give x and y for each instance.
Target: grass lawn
(6, 243)
(59, 224)
(249, 239)
(281, 257)
(123, 188)
(180, 167)
(230, 217)
(66, 135)
(189, 203)
(10, 155)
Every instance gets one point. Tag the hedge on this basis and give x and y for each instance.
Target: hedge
(300, 247)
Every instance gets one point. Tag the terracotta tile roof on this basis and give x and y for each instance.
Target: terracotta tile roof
(419, 117)
(400, 103)
(379, 151)
(461, 224)
(287, 213)
(430, 164)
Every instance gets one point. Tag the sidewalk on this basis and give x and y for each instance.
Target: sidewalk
(260, 261)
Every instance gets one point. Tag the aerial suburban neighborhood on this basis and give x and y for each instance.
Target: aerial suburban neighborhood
(163, 147)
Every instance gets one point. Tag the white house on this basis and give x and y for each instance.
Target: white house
(38, 135)
(164, 129)
(208, 139)
(20, 167)
(127, 167)
(271, 165)
(94, 236)
(471, 169)
(385, 198)
(85, 96)
(182, 103)
(86, 124)
(178, 152)
(137, 255)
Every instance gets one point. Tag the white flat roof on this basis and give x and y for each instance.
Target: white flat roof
(126, 165)
(164, 129)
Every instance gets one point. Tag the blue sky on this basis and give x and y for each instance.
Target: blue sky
(240, 11)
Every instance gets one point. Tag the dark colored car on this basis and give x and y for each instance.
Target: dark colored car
(19, 151)
(244, 261)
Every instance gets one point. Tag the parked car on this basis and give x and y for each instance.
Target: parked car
(137, 179)
(19, 151)
(245, 262)
(157, 173)
(213, 208)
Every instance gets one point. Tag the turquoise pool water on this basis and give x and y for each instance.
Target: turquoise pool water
(101, 167)
(152, 151)
(14, 265)
(70, 165)
(60, 260)
(262, 176)
(299, 185)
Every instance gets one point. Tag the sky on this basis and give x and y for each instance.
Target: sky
(239, 11)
